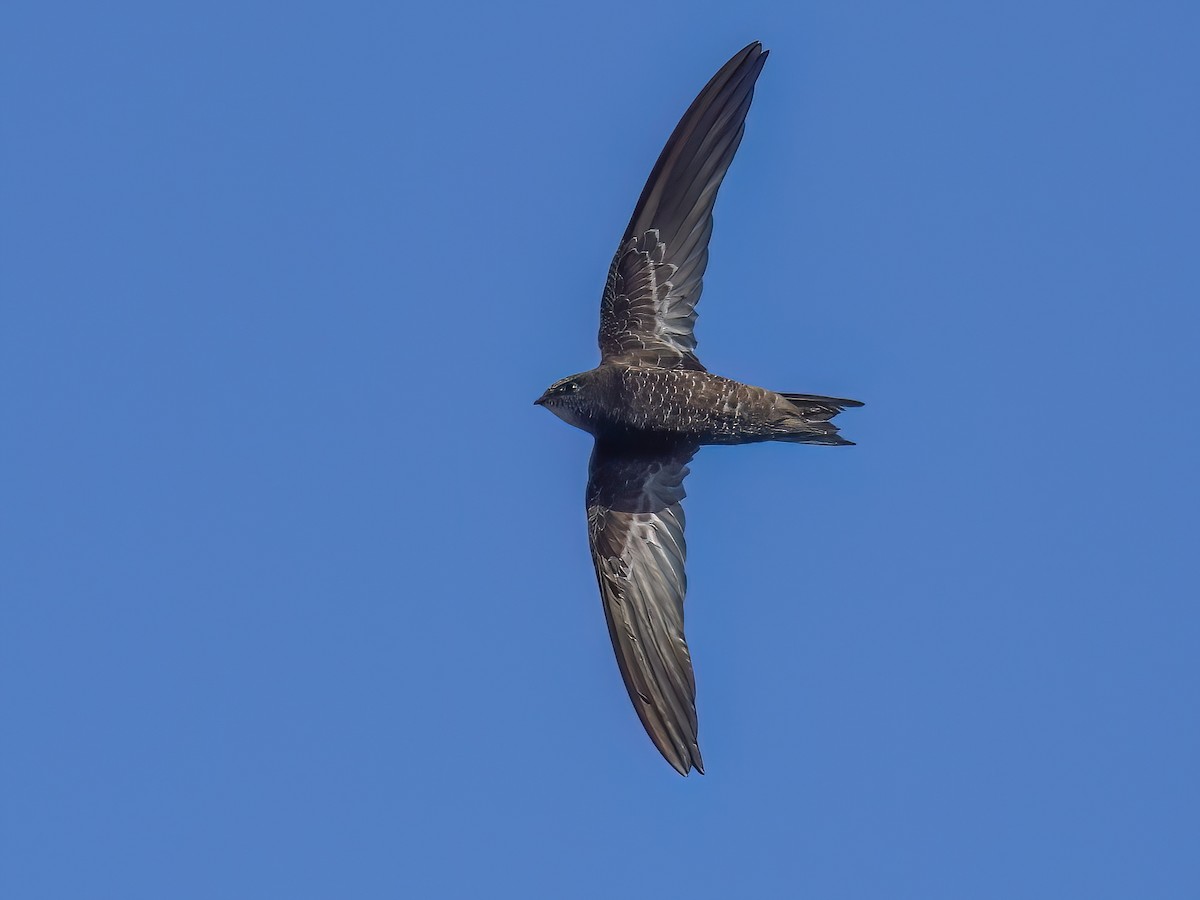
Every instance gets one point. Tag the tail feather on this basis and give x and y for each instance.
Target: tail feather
(815, 412)
(833, 404)
(807, 437)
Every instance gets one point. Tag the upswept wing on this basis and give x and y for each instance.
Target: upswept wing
(648, 311)
(635, 527)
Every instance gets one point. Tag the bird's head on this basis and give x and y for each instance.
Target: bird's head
(567, 398)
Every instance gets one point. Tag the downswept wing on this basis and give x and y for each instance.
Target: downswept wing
(648, 310)
(635, 528)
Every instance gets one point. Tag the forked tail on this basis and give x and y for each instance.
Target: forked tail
(812, 425)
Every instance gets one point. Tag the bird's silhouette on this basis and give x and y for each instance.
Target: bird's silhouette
(650, 405)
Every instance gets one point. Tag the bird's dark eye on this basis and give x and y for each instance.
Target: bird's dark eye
(572, 386)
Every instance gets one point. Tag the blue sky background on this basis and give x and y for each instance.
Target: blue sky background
(296, 594)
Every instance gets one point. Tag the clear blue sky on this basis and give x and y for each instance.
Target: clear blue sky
(296, 597)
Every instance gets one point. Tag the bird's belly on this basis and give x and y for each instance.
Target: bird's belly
(700, 406)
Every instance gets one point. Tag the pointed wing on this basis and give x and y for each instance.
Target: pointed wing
(635, 526)
(648, 310)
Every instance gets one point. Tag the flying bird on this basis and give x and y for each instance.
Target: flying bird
(651, 404)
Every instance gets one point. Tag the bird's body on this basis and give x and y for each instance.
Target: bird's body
(651, 404)
(623, 403)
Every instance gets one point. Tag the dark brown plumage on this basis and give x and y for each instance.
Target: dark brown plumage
(651, 404)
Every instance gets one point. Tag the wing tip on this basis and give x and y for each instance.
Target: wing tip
(752, 54)
(755, 53)
(683, 763)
